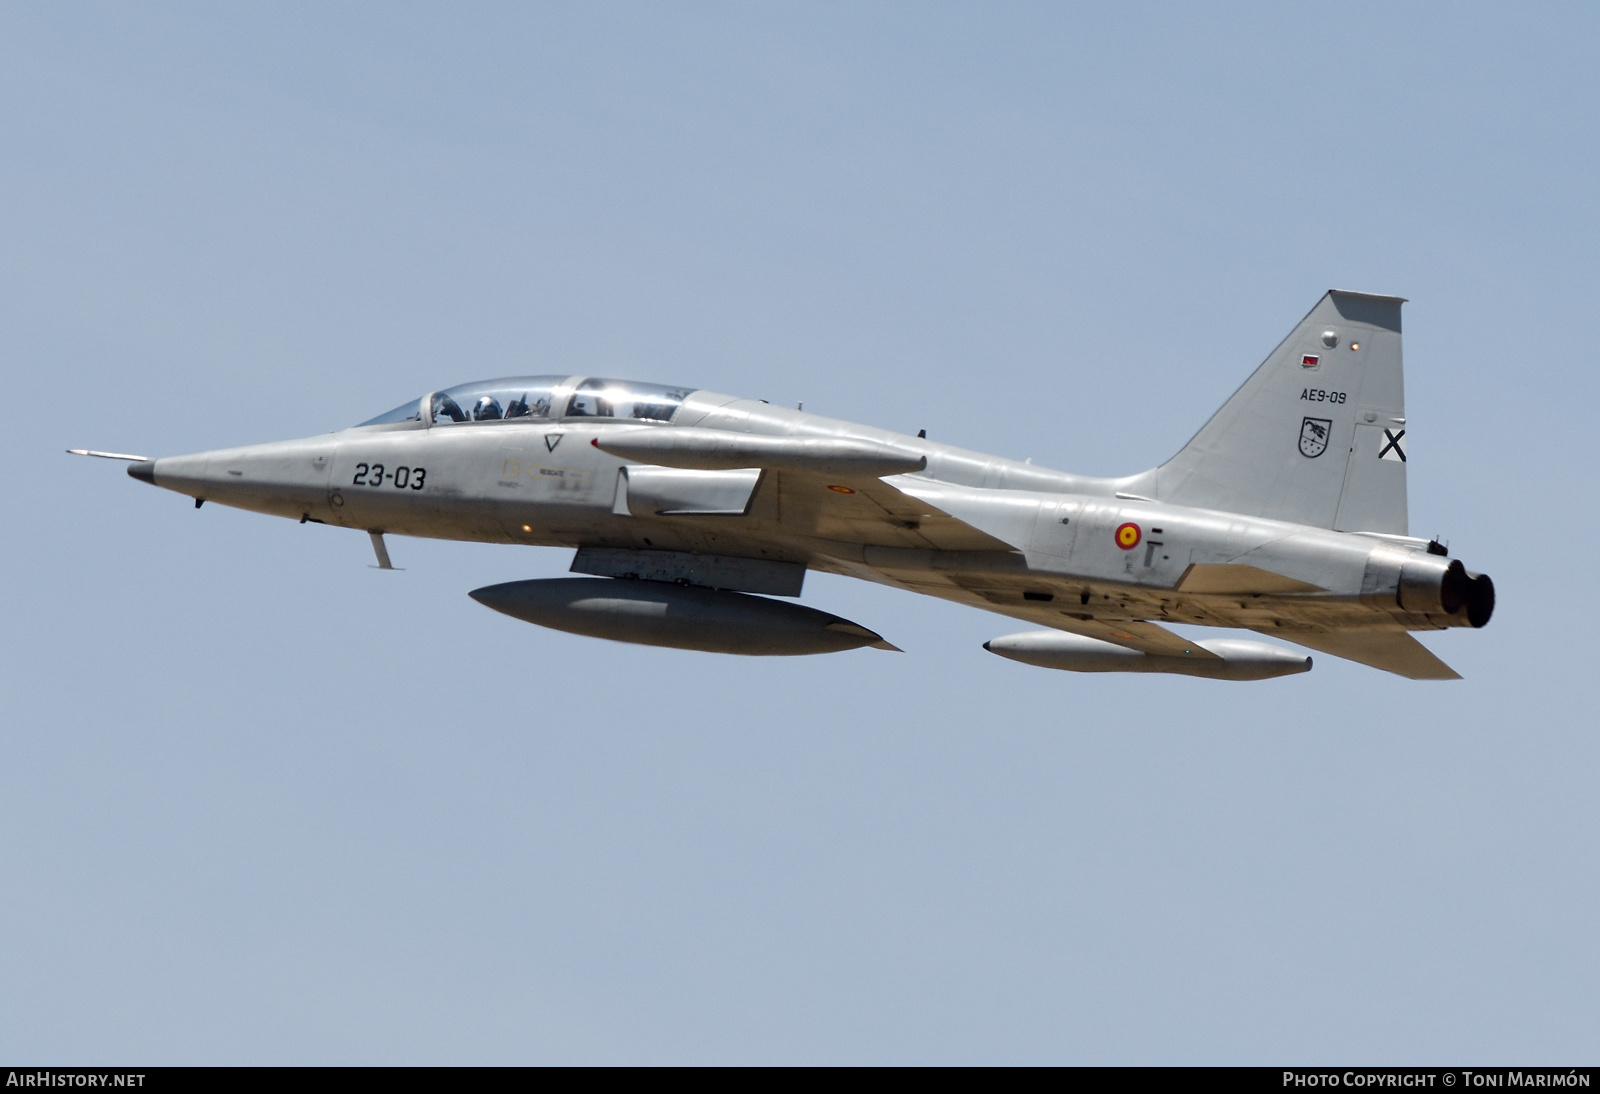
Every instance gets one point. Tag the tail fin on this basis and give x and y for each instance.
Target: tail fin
(1315, 436)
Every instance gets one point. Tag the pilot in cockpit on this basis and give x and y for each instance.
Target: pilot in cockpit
(535, 397)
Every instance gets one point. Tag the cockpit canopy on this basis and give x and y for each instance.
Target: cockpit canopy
(540, 397)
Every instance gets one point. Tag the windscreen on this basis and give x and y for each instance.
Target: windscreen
(405, 412)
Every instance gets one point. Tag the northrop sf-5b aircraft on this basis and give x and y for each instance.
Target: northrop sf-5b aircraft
(696, 513)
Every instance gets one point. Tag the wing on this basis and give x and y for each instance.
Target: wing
(1388, 648)
(828, 488)
(1236, 579)
(961, 563)
(910, 542)
(1146, 637)
(1391, 649)
(1005, 590)
(861, 509)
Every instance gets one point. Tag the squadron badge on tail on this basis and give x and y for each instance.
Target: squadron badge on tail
(1314, 436)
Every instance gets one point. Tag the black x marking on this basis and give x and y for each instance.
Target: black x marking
(1394, 443)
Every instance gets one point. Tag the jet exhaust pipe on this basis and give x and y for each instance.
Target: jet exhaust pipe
(1232, 659)
(1462, 591)
(655, 613)
(1428, 585)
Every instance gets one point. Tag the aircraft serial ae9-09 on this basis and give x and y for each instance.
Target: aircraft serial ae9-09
(694, 511)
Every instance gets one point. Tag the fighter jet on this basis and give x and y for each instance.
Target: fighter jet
(695, 516)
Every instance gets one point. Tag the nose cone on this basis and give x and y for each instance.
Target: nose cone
(284, 478)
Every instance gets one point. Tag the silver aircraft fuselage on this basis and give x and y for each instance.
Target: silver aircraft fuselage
(1039, 545)
(1286, 514)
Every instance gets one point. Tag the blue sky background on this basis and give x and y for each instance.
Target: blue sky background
(263, 804)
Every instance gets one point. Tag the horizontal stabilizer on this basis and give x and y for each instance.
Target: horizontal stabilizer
(1392, 650)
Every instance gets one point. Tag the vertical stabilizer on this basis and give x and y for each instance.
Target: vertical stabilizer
(1315, 436)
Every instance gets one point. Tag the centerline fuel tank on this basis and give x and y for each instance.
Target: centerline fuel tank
(656, 613)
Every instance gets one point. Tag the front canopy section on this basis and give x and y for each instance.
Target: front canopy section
(539, 398)
(496, 400)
